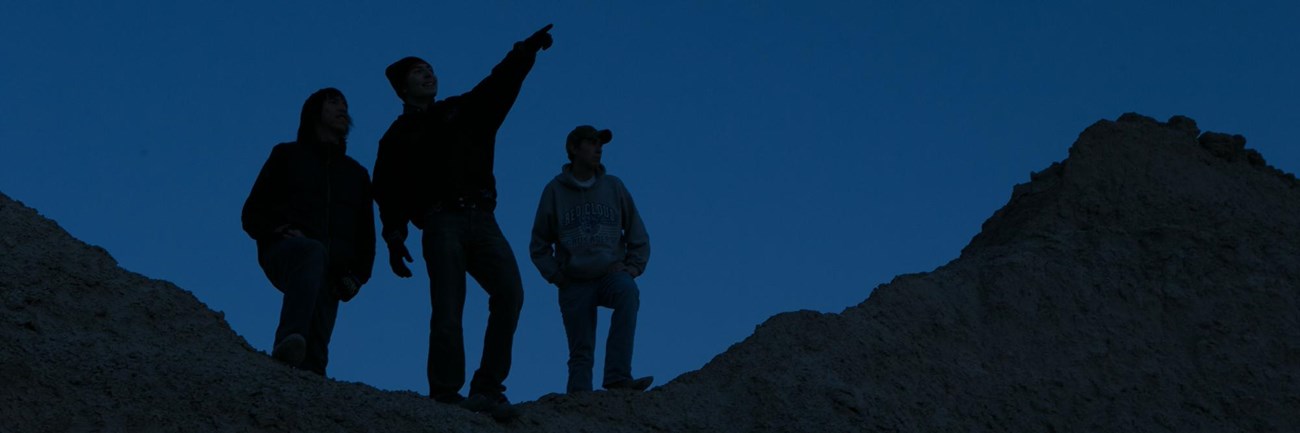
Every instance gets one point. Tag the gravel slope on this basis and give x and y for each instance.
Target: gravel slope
(1146, 283)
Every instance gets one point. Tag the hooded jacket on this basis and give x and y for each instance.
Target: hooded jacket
(317, 189)
(581, 231)
(447, 152)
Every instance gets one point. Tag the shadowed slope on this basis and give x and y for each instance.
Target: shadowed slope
(88, 346)
(1146, 283)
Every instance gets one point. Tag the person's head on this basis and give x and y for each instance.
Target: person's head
(412, 79)
(324, 115)
(585, 143)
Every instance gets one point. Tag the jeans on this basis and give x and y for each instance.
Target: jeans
(456, 242)
(578, 302)
(297, 268)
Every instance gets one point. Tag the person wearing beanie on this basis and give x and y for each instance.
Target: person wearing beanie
(589, 241)
(434, 170)
(310, 213)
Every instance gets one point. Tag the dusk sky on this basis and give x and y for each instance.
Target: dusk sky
(784, 155)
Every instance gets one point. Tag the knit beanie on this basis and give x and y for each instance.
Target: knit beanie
(397, 71)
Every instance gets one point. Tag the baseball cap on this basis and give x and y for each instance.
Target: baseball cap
(584, 132)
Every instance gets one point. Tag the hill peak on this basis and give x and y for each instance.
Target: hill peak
(1146, 282)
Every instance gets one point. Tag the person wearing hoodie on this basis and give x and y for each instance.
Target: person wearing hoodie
(311, 216)
(588, 240)
(435, 169)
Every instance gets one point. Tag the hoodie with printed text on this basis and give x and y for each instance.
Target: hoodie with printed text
(582, 231)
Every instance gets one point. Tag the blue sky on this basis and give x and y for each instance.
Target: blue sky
(783, 157)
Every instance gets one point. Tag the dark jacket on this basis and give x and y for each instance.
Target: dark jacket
(319, 190)
(446, 153)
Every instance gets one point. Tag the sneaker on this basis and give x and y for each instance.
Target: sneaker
(639, 384)
(497, 406)
(290, 350)
(448, 398)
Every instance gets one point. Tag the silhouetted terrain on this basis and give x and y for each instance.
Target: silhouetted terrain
(1146, 283)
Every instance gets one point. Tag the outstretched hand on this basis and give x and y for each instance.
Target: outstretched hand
(397, 252)
(541, 39)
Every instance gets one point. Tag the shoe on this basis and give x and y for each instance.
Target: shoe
(290, 350)
(448, 398)
(497, 406)
(639, 384)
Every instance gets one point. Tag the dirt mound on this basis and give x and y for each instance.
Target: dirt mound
(87, 346)
(1146, 283)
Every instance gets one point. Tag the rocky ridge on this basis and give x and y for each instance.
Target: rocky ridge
(1145, 283)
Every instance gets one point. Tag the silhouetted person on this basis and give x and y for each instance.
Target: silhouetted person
(311, 215)
(434, 169)
(588, 240)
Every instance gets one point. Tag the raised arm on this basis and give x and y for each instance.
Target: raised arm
(495, 95)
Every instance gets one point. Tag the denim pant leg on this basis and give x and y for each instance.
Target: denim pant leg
(618, 291)
(492, 264)
(444, 260)
(578, 309)
(296, 267)
(322, 327)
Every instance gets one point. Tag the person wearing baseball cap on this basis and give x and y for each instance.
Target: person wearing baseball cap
(589, 241)
(434, 169)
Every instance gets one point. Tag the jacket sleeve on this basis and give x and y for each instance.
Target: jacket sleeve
(259, 216)
(493, 97)
(634, 234)
(389, 179)
(365, 254)
(542, 246)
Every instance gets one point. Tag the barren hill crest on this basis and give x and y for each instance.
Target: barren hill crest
(1148, 282)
